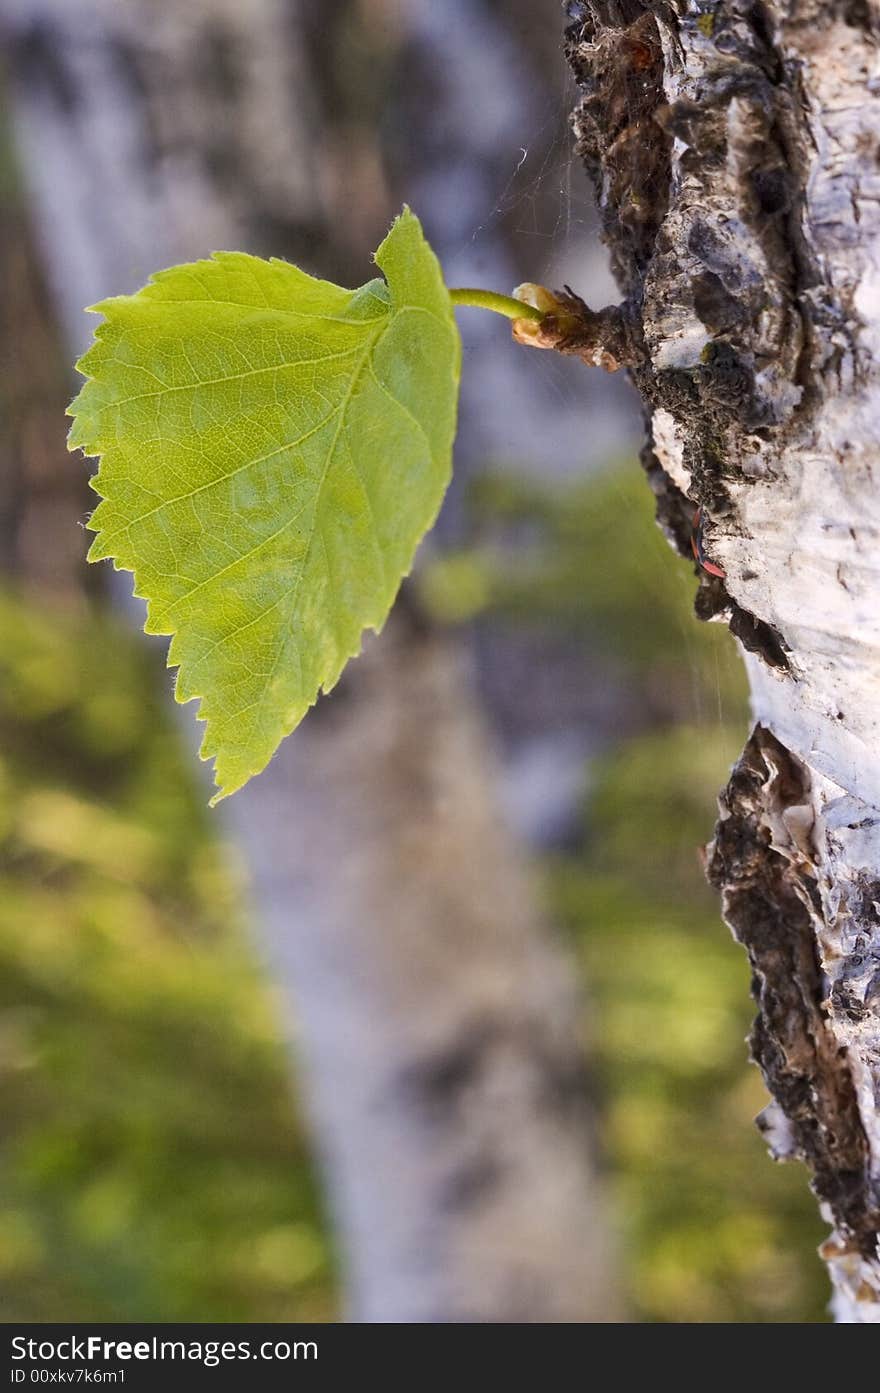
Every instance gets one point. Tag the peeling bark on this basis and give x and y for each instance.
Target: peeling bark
(764, 863)
(734, 149)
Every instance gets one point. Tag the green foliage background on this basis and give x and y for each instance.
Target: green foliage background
(153, 1167)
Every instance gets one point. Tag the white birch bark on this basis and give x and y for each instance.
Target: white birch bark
(736, 150)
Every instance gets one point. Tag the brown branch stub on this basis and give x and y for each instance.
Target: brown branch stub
(762, 861)
(607, 338)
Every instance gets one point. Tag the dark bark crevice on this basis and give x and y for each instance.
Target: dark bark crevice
(770, 900)
(720, 246)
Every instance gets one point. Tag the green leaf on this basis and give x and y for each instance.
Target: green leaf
(273, 448)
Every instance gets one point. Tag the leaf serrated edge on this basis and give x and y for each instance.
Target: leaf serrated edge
(90, 443)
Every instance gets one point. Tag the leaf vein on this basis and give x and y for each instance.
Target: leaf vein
(221, 478)
(233, 377)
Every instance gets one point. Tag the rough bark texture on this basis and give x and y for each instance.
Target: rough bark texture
(437, 1016)
(734, 147)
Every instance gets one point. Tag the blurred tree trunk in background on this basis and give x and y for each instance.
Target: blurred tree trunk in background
(40, 500)
(437, 1019)
(734, 147)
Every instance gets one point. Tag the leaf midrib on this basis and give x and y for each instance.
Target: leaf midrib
(223, 381)
(291, 596)
(276, 309)
(372, 344)
(109, 537)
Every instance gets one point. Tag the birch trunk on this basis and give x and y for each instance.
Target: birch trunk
(437, 1019)
(734, 146)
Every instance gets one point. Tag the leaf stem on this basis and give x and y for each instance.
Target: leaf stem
(499, 304)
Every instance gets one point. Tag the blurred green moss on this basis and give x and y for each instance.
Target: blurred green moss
(152, 1164)
(712, 1229)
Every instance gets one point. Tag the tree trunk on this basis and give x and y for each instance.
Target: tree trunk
(734, 146)
(40, 498)
(437, 1018)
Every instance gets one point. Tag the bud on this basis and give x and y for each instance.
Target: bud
(562, 311)
(539, 297)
